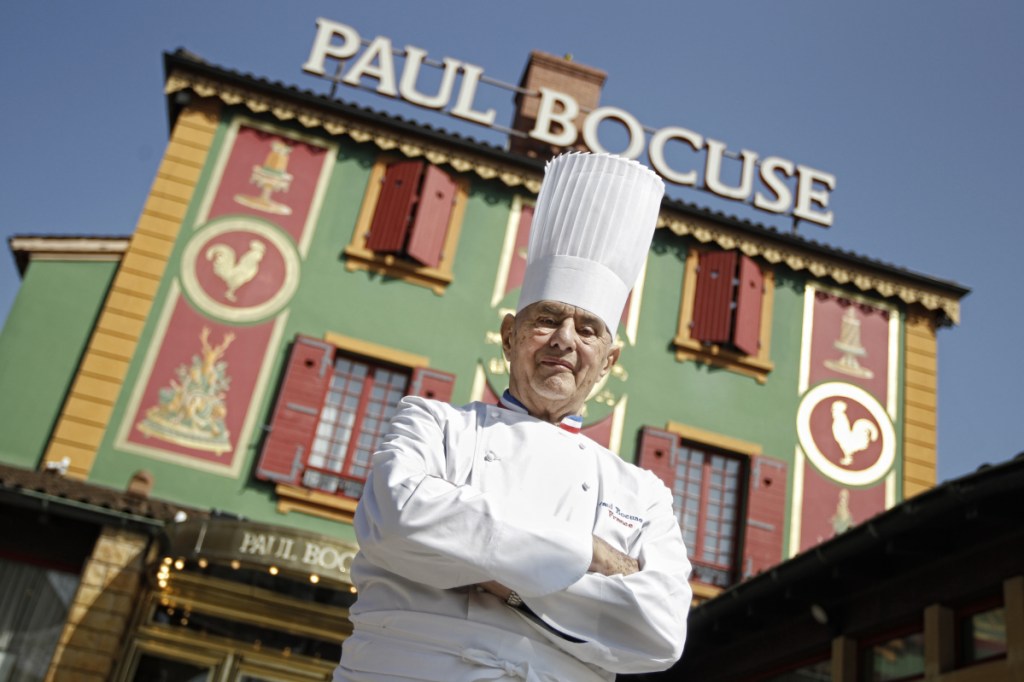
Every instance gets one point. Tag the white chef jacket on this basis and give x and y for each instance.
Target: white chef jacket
(463, 495)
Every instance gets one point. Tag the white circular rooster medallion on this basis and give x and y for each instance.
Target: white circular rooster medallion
(846, 433)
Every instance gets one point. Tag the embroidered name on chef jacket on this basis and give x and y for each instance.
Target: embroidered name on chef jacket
(613, 511)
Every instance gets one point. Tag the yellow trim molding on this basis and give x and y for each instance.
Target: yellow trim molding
(702, 592)
(715, 440)
(315, 503)
(376, 351)
(920, 397)
(100, 376)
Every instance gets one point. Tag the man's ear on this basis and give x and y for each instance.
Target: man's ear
(507, 324)
(613, 357)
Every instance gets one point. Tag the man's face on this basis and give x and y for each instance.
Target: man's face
(556, 353)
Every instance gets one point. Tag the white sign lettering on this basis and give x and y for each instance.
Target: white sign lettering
(555, 124)
(315, 557)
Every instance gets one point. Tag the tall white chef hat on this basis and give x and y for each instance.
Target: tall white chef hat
(591, 231)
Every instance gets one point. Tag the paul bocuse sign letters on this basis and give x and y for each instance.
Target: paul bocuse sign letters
(555, 124)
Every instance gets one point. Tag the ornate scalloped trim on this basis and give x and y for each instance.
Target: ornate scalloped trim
(413, 148)
(842, 273)
(310, 118)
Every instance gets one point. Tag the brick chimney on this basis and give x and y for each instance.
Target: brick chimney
(582, 83)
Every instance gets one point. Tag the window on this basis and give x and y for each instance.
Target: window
(705, 495)
(33, 608)
(336, 399)
(893, 657)
(725, 312)
(409, 223)
(715, 480)
(982, 631)
(360, 401)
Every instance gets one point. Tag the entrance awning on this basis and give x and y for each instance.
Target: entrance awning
(256, 546)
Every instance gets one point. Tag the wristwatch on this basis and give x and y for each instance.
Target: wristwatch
(514, 600)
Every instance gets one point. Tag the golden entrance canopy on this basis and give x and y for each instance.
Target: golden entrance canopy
(255, 546)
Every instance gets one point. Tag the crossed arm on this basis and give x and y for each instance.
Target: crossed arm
(606, 560)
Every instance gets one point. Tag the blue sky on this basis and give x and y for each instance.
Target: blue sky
(915, 106)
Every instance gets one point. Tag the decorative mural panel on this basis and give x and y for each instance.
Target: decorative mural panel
(209, 362)
(240, 269)
(271, 177)
(845, 460)
(195, 401)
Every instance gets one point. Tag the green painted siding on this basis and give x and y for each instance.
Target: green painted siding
(43, 338)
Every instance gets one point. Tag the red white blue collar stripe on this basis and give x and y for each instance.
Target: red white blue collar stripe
(572, 423)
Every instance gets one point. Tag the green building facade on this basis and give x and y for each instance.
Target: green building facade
(204, 394)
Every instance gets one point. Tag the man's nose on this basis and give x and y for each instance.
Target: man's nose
(564, 335)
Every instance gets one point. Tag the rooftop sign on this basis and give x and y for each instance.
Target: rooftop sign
(769, 191)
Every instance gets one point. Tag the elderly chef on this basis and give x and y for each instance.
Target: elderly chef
(498, 542)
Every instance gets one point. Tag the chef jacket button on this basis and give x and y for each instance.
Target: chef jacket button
(490, 456)
(582, 445)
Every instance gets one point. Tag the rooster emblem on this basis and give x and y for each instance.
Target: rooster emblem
(236, 272)
(852, 438)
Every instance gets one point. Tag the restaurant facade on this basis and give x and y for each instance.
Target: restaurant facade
(196, 403)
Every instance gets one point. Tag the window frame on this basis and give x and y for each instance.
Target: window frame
(735, 448)
(359, 257)
(696, 552)
(292, 495)
(348, 461)
(760, 511)
(688, 348)
(763, 508)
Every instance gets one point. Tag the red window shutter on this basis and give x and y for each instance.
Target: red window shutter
(747, 329)
(395, 205)
(766, 515)
(297, 412)
(431, 383)
(657, 454)
(434, 210)
(712, 305)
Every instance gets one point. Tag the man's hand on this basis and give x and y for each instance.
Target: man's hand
(609, 561)
(496, 588)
